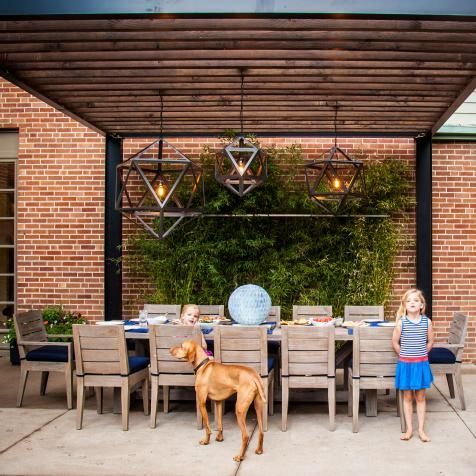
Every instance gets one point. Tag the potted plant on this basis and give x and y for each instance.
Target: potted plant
(56, 320)
(10, 338)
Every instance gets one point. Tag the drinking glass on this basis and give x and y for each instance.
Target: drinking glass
(143, 318)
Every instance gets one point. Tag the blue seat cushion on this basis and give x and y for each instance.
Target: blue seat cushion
(271, 362)
(137, 363)
(48, 353)
(440, 355)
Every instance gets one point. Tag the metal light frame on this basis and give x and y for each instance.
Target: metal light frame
(332, 181)
(241, 166)
(147, 192)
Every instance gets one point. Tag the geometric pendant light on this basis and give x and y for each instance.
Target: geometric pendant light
(159, 187)
(241, 166)
(335, 179)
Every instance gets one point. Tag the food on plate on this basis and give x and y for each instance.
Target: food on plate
(301, 322)
(208, 319)
(322, 319)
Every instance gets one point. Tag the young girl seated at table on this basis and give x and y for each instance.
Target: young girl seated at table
(412, 340)
(189, 317)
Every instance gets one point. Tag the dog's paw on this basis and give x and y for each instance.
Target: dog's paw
(219, 437)
(205, 442)
(259, 451)
(238, 458)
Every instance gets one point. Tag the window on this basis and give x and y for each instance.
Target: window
(8, 164)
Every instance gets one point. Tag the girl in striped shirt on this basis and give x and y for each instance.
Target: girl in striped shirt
(412, 340)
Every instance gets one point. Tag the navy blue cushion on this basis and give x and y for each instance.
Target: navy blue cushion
(271, 362)
(48, 353)
(138, 363)
(440, 355)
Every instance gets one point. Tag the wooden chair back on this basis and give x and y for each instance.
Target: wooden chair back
(29, 326)
(457, 332)
(373, 353)
(212, 310)
(161, 339)
(359, 313)
(308, 352)
(100, 350)
(172, 310)
(274, 315)
(306, 312)
(242, 345)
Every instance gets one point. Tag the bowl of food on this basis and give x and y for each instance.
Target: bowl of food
(322, 321)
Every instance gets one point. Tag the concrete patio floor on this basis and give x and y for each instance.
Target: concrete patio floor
(41, 439)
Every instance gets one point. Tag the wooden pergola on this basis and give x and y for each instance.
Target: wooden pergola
(397, 69)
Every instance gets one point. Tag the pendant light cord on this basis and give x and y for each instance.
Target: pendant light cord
(241, 103)
(161, 116)
(335, 125)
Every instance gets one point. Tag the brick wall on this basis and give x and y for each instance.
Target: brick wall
(454, 237)
(61, 213)
(60, 206)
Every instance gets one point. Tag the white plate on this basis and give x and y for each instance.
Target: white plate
(109, 323)
(372, 320)
(386, 324)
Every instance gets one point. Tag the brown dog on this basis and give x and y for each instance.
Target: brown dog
(218, 382)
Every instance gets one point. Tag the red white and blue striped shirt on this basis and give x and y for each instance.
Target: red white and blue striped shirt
(413, 340)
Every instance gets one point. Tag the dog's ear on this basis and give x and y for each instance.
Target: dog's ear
(190, 348)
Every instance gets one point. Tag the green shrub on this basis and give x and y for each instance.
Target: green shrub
(327, 260)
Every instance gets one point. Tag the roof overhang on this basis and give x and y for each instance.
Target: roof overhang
(391, 68)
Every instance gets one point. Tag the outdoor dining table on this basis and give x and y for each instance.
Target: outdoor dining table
(341, 334)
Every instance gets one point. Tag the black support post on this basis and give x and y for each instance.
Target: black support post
(112, 234)
(423, 218)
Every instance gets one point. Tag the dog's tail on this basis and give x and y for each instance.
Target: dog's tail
(259, 386)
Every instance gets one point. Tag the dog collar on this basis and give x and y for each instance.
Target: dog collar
(201, 364)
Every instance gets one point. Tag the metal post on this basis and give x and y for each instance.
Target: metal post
(112, 234)
(424, 218)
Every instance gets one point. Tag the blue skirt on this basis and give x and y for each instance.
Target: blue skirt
(413, 375)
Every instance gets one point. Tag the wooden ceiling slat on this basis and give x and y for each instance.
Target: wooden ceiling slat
(239, 54)
(216, 35)
(298, 24)
(263, 82)
(247, 63)
(251, 73)
(123, 47)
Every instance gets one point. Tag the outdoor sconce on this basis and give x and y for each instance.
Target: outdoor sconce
(334, 180)
(241, 167)
(159, 187)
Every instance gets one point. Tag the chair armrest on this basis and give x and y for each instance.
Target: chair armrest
(60, 336)
(441, 339)
(40, 343)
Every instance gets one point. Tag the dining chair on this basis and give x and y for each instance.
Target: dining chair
(247, 345)
(356, 314)
(165, 369)
(212, 310)
(306, 312)
(37, 354)
(308, 361)
(171, 310)
(447, 354)
(274, 315)
(102, 361)
(374, 363)
(359, 313)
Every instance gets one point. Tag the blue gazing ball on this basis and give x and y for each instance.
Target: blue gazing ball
(249, 305)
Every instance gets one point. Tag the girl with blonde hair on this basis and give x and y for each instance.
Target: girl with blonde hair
(412, 340)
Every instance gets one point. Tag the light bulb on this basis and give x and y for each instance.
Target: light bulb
(336, 183)
(161, 190)
(241, 167)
